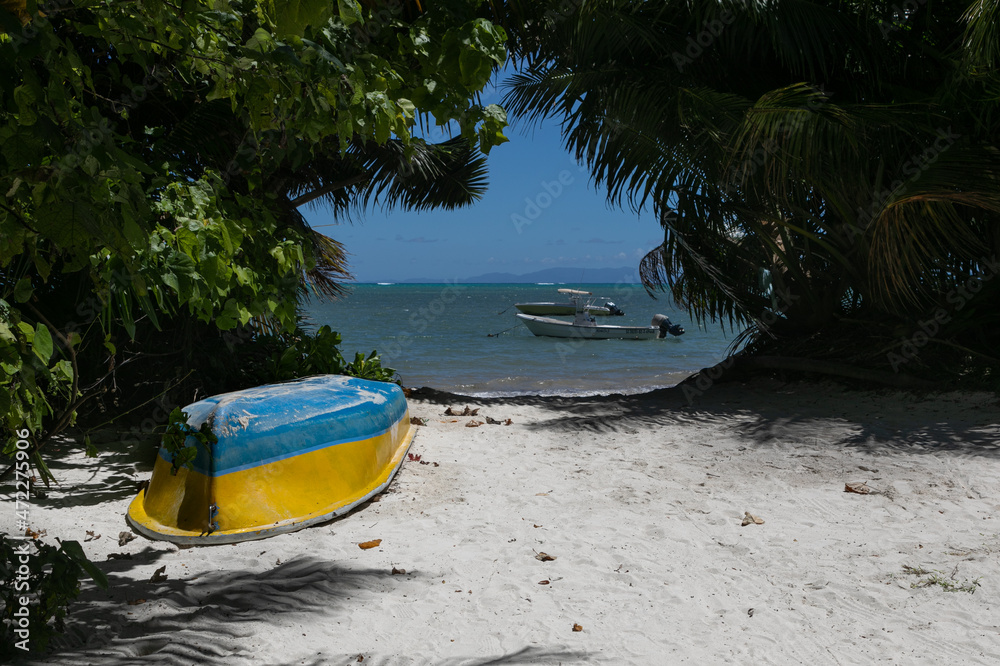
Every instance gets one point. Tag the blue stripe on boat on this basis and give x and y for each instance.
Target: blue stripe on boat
(266, 416)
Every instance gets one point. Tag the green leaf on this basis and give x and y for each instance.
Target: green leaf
(22, 290)
(350, 11)
(25, 98)
(64, 369)
(42, 344)
(135, 235)
(75, 551)
(42, 267)
(89, 447)
(261, 41)
(171, 281)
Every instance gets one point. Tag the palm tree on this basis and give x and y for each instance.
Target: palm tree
(812, 163)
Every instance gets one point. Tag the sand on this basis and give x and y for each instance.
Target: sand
(640, 502)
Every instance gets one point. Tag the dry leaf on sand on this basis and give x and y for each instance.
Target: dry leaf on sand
(365, 545)
(159, 576)
(577, 627)
(750, 519)
(859, 488)
(473, 424)
(544, 557)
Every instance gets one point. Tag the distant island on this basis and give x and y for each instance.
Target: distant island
(626, 275)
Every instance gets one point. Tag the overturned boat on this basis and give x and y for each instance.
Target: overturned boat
(288, 456)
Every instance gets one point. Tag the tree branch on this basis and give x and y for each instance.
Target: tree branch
(327, 189)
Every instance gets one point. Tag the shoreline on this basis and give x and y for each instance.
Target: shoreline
(639, 499)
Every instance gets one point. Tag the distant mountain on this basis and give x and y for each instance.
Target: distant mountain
(556, 275)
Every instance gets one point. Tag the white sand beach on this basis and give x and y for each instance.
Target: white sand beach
(640, 502)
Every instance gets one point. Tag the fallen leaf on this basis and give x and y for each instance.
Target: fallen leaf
(859, 488)
(416, 420)
(473, 424)
(749, 518)
(543, 582)
(413, 458)
(136, 602)
(493, 421)
(398, 572)
(125, 537)
(365, 545)
(577, 627)
(159, 576)
(91, 537)
(544, 557)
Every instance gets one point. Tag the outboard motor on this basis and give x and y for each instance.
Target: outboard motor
(667, 327)
(614, 309)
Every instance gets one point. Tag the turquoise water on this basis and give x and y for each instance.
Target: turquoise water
(438, 336)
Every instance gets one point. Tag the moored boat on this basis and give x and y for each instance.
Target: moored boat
(584, 326)
(558, 328)
(288, 456)
(568, 307)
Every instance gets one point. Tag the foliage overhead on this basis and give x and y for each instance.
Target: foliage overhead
(153, 157)
(810, 162)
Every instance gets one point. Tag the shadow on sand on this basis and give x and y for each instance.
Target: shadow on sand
(768, 412)
(217, 617)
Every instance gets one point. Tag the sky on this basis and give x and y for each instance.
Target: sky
(540, 211)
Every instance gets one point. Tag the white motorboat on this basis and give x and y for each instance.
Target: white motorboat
(569, 308)
(584, 326)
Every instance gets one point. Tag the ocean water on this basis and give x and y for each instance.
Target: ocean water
(465, 338)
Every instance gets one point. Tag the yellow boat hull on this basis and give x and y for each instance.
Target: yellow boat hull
(288, 456)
